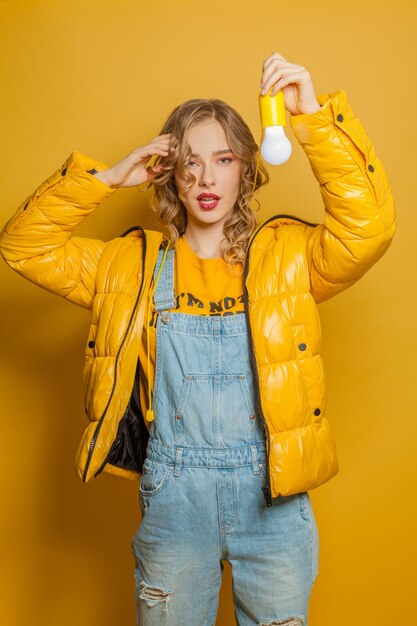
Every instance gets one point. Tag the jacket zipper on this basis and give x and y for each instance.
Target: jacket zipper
(267, 487)
(98, 427)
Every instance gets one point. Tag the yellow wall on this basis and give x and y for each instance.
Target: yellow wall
(101, 77)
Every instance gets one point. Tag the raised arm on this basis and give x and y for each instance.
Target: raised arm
(359, 221)
(37, 243)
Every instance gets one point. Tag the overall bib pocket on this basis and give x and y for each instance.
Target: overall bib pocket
(225, 395)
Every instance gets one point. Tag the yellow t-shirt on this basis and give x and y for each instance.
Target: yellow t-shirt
(202, 287)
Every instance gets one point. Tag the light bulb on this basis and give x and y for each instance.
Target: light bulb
(275, 147)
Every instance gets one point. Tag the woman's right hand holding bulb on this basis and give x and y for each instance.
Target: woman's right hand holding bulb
(131, 170)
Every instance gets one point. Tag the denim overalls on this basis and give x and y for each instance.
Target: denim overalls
(201, 493)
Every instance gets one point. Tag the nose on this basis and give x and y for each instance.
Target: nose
(206, 177)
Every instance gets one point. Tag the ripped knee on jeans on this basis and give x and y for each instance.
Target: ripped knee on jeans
(154, 595)
(289, 621)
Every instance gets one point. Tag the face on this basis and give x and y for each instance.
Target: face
(217, 171)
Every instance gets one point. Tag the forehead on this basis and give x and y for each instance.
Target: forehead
(207, 135)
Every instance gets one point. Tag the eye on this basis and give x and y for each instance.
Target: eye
(226, 159)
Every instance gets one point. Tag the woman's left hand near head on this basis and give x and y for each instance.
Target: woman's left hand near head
(293, 80)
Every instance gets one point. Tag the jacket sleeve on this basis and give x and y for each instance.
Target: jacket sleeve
(36, 241)
(359, 221)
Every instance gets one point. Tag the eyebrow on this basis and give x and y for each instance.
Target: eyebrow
(224, 151)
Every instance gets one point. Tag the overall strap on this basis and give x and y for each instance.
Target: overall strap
(164, 294)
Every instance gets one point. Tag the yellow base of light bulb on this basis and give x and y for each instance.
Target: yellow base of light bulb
(272, 109)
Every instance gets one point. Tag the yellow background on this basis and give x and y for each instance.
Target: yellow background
(101, 77)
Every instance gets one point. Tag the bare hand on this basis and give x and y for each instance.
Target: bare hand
(130, 171)
(293, 80)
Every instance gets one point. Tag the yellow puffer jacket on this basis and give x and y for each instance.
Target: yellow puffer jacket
(291, 266)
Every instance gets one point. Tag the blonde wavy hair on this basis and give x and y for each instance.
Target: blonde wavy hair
(166, 202)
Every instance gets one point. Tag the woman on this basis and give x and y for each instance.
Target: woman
(202, 372)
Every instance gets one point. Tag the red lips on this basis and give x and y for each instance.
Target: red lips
(208, 195)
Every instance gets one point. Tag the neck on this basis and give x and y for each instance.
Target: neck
(205, 241)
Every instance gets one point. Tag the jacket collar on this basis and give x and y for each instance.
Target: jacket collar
(278, 220)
